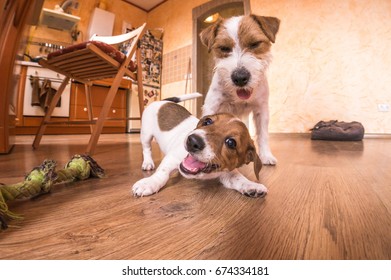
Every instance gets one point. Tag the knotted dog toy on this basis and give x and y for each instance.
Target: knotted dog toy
(41, 179)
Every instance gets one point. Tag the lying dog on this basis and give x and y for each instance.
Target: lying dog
(241, 48)
(219, 144)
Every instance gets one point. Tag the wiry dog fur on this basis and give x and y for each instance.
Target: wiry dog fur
(241, 48)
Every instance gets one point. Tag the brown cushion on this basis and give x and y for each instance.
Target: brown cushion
(108, 49)
(338, 131)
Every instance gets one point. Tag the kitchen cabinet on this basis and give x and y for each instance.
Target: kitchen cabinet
(77, 104)
(79, 110)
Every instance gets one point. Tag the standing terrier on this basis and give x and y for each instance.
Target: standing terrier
(241, 48)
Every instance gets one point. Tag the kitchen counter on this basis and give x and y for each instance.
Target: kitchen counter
(73, 106)
(28, 63)
(125, 83)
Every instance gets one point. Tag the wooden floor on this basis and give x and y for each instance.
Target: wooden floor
(327, 200)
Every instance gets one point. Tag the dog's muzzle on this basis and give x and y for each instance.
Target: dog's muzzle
(194, 143)
(241, 77)
(191, 165)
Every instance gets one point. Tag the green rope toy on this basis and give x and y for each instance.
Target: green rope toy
(41, 179)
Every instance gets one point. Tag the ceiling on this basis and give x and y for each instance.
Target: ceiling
(146, 5)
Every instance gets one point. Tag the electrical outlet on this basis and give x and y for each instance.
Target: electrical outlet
(384, 107)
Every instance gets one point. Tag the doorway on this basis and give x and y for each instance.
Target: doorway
(204, 16)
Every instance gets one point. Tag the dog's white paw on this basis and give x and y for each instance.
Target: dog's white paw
(148, 165)
(268, 159)
(144, 187)
(253, 189)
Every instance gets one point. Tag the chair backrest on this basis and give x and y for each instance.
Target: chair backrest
(132, 36)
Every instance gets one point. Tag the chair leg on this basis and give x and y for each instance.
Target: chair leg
(140, 82)
(89, 105)
(48, 114)
(105, 112)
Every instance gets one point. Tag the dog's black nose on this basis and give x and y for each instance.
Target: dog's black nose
(240, 76)
(194, 143)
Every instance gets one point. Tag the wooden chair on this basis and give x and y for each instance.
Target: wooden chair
(91, 61)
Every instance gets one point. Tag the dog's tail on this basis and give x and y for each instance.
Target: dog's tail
(184, 97)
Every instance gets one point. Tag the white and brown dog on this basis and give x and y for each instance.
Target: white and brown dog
(241, 48)
(217, 146)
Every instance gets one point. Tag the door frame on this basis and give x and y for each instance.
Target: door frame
(199, 13)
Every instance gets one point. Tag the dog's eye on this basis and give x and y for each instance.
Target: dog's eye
(231, 143)
(225, 49)
(207, 121)
(255, 45)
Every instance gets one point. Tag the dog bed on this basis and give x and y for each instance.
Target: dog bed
(338, 131)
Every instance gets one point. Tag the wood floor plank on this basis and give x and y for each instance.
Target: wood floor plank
(327, 200)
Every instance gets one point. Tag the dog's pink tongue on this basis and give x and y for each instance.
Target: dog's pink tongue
(243, 93)
(192, 164)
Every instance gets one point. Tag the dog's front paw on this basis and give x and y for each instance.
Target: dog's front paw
(144, 187)
(268, 159)
(253, 190)
(148, 165)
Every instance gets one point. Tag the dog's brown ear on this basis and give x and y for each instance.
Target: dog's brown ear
(252, 156)
(208, 35)
(269, 26)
